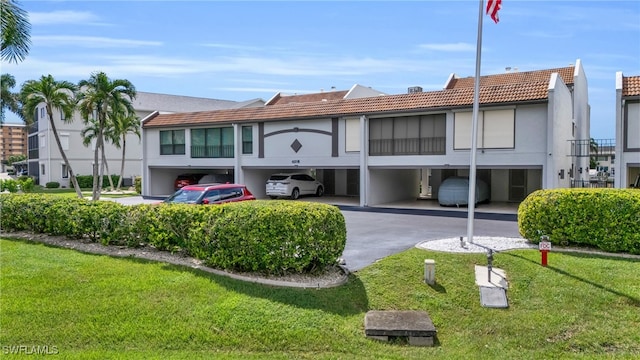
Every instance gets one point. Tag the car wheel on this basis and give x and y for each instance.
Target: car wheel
(320, 191)
(273, 197)
(295, 194)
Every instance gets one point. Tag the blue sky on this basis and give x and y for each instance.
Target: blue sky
(240, 50)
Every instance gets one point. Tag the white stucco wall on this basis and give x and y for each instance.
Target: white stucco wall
(581, 115)
(388, 185)
(559, 132)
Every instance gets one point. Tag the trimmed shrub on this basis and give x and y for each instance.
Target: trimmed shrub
(608, 219)
(52, 185)
(26, 183)
(137, 183)
(9, 185)
(86, 181)
(271, 237)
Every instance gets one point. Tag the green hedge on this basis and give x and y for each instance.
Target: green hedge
(608, 219)
(271, 237)
(86, 181)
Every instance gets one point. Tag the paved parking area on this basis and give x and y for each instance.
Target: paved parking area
(375, 233)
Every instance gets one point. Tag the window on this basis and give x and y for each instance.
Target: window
(408, 135)
(247, 140)
(64, 141)
(212, 143)
(496, 130)
(352, 135)
(65, 171)
(172, 142)
(42, 169)
(41, 113)
(42, 141)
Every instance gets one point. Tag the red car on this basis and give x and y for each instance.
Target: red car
(186, 179)
(210, 194)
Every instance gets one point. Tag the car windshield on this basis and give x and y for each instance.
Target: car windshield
(184, 196)
(278, 177)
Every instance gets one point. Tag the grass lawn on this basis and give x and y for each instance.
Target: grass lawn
(99, 307)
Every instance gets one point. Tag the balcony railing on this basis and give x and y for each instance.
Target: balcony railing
(212, 151)
(411, 146)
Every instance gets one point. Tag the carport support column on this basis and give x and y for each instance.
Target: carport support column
(364, 163)
(237, 154)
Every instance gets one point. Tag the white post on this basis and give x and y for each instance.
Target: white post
(430, 271)
(474, 132)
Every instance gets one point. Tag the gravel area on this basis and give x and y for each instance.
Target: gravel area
(481, 244)
(331, 277)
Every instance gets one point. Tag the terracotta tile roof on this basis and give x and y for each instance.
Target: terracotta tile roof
(565, 73)
(288, 99)
(630, 85)
(433, 100)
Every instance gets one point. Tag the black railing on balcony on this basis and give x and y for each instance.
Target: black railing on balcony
(411, 146)
(212, 151)
(34, 154)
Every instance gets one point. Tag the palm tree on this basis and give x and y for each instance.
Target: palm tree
(89, 134)
(54, 95)
(102, 96)
(15, 31)
(124, 125)
(9, 99)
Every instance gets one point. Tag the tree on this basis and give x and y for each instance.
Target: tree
(15, 31)
(54, 95)
(9, 100)
(101, 96)
(89, 134)
(124, 125)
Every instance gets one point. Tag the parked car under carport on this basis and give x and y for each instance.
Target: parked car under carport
(454, 191)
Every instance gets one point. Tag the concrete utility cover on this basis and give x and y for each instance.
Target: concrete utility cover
(493, 297)
(398, 323)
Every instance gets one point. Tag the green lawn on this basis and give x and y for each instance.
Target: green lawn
(99, 307)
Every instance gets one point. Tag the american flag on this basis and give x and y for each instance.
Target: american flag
(492, 9)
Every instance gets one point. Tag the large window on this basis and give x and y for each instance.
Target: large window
(172, 142)
(212, 143)
(247, 140)
(408, 135)
(496, 130)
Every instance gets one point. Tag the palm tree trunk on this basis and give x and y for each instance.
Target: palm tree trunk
(72, 175)
(105, 165)
(124, 146)
(96, 189)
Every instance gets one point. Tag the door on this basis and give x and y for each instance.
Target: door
(517, 184)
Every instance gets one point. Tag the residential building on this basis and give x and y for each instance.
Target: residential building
(627, 148)
(46, 163)
(388, 148)
(13, 141)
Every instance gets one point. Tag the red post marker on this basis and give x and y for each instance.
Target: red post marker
(544, 247)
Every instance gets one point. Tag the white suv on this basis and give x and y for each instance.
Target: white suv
(293, 185)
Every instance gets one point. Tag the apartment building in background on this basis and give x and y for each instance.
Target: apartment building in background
(13, 141)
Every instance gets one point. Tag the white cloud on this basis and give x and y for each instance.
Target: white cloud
(89, 41)
(62, 17)
(453, 47)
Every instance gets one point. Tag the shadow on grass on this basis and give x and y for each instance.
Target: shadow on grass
(347, 299)
(632, 300)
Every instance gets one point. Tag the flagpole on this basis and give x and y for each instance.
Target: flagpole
(474, 131)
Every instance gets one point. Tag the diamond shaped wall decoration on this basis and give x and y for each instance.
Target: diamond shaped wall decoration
(295, 145)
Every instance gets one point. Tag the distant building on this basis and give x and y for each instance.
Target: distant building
(13, 141)
(627, 131)
(46, 163)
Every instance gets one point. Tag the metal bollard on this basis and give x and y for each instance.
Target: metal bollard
(430, 271)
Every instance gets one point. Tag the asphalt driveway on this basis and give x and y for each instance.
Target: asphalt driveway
(374, 233)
